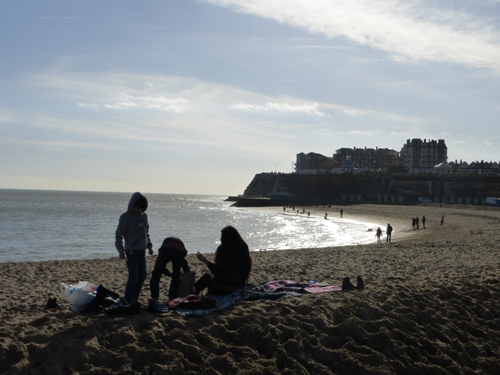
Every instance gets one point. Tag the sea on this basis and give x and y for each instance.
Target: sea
(42, 225)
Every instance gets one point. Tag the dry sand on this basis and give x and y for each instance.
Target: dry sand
(430, 306)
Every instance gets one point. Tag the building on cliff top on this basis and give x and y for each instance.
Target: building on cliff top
(364, 159)
(419, 156)
(313, 163)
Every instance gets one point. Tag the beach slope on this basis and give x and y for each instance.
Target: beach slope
(431, 304)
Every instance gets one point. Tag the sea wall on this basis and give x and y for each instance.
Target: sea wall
(400, 188)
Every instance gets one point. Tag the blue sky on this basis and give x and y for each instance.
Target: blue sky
(196, 97)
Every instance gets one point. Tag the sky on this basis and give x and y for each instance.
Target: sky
(198, 96)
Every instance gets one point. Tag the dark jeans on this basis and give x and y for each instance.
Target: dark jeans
(136, 265)
(178, 262)
(207, 282)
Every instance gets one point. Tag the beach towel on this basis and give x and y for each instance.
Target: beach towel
(274, 286)
(192, 302)
(221, 302)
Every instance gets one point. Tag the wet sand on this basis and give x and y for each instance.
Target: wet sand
(431, 304)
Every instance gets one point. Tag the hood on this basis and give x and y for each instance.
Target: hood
(135, 197)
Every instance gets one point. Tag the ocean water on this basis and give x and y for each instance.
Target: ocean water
(39, 225)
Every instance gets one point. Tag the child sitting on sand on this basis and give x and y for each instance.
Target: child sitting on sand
(134, 228)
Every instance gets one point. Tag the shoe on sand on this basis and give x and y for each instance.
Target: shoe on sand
(361, 284)
(346, 284)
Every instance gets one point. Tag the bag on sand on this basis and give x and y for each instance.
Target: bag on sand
(80, 294)
(111, 303)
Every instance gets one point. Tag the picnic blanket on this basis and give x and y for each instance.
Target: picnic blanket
(221, 302)
(274, 286)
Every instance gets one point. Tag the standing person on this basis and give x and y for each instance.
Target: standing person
(423, 221)
(341, 213)
(326, 215)
(388, 233)
(378, 234)
(416, 221)
(442, 220)
(171, 250)
(231, 268)
(133, 227)
(413, 221)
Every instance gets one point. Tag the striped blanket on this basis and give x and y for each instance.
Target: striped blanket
(270, 290)
(222, 302)
(297, 287)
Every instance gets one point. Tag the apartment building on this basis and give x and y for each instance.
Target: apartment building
(313, 163)
(367, 158)
(419, 156)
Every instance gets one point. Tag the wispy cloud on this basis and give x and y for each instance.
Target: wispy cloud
(408, 31)
(310, 109)
(162, 103)
(319, 46)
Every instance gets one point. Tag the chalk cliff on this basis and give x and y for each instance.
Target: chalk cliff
(398, 188)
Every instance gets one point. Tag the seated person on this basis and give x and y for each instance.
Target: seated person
(231, 268)
(171, 250)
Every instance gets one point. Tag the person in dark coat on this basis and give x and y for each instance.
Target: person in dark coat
(388, 233)
(171, 250)
(231, 268)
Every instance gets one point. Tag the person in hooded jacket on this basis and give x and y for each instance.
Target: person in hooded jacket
(231, 268)
(133, 227)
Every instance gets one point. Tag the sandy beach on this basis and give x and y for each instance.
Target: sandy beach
(431, 305)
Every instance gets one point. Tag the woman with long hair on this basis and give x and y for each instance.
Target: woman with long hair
(231, 268)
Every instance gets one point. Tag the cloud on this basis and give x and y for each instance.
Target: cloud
(161, 103)
(408, 31)
(310, 109)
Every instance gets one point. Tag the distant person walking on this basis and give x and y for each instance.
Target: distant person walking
(416, 221)
(388, 233)
(341, 213)
(326, 215)
(378, 234)
(423, 221)
(413, 221)
(442, 220)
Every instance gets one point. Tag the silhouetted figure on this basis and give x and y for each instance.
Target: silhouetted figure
(423, 221)
(388, 233)
(378, 234)
(341, 213)
(231, 268)
(442, 220)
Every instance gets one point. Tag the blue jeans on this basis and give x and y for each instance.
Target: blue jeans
(178, 262)
(136, 265)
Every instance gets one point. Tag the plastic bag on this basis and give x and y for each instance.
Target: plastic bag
(80, 294)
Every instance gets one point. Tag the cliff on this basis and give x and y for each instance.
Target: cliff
(395, 188)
